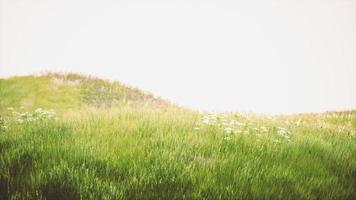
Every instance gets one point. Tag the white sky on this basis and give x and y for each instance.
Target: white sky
(270, 56)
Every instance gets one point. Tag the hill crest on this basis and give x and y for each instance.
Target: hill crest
(71, 90)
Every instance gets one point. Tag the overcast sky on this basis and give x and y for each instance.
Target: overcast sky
(269, 56)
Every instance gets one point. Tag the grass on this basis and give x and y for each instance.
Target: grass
(109, 141)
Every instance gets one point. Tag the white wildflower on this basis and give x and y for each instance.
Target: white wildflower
(282, 131)
(227, 138)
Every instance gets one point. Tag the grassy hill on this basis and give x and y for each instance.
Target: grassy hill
(67, 136)
(70, 91)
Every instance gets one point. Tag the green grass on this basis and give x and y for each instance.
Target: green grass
(109, 141)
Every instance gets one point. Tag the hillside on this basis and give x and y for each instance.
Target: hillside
(67, 136)
(62, 91)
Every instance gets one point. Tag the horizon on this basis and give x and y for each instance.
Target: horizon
(44, 73)
(268, 57)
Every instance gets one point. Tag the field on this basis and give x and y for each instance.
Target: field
(67, 136)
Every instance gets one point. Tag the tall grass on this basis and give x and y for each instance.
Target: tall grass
(136, 152)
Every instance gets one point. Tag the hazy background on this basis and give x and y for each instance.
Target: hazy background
(269, 56)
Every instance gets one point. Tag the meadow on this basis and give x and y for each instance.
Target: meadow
(67, 136)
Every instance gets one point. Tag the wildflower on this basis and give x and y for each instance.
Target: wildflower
(227, 138)
(196, 128)
(277, 141)
(38, 114)
(10, 108)
(282, 131)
